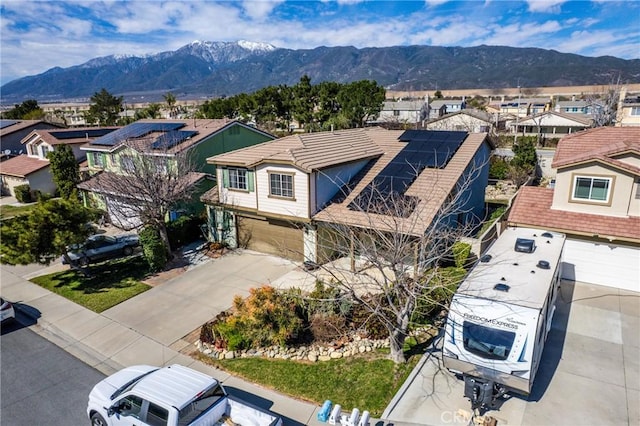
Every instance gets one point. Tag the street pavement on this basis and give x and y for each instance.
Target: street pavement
(148, 328)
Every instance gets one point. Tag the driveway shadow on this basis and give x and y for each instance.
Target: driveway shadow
(259, 402)
(554, 345)
(26, 316)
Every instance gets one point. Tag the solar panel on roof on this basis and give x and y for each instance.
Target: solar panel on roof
(76, 134)
(424, 148)
(7, 123)
(136, 130)
(172, 138)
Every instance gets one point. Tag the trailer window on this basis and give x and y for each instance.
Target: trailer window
(487, 342)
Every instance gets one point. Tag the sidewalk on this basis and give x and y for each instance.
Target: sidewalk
(109, 345)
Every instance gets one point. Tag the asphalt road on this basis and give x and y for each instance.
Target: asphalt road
(41, 383)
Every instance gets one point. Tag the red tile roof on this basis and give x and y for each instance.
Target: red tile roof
(52, 139)
(532, 207)
(22, 166)
(601, 144)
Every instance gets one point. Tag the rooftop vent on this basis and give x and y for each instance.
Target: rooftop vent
(547, 235)
(501, 287)
(543, 264)
(524, 245)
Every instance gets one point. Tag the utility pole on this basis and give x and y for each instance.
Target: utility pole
(515, 137)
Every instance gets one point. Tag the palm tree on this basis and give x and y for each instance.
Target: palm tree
(170, 99)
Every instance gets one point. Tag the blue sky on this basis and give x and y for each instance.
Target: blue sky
(36, 36)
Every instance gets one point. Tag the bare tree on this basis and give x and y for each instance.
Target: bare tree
(389, 255)
(152, 182)
(605, 104)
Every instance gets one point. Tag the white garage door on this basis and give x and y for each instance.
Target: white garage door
(122, 215)
(609, 265)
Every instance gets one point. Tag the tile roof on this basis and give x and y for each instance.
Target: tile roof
(25, 124)
(532, 207)
(602, 144)
(431, 188)
(22, 165)
(312, 151)
(111, 183)
(582, 119)
(204, 127)
(472, 112)
(50, 136)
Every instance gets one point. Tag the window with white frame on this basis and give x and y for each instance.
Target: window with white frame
(281, 185)
(591, 188)
(635, 110)
(45, 150)
(238, 179)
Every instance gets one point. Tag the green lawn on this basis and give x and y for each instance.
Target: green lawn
(109, 283)
(11, 211)
(367, 382)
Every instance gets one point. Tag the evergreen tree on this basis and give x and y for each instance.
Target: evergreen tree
(105, 108)
(65, 170)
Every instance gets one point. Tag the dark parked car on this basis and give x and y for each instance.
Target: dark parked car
(102, 247)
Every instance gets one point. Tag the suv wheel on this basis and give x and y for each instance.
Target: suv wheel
(97, 420)
(127, 251)
(83, 261)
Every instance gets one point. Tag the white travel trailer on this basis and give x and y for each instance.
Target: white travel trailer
(501, 314)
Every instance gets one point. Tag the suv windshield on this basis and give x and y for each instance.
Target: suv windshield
(129, 385)
(199, 405)
(487, 342)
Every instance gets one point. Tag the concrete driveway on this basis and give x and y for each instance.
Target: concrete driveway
(589, 373)
(173, 309)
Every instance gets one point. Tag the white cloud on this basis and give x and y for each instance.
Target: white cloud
(433, 3)
(259, 9)
(548, 6)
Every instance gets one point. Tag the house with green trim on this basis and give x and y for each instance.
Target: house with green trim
(172, 151)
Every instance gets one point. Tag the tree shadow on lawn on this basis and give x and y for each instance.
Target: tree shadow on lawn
(106, 276)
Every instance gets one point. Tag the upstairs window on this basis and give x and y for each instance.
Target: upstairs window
(238, 179)
(635, 110)
(281, 185)
(98, 160)
(591, 188)
(127, 164)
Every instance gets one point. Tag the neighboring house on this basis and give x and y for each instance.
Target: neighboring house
(440, 107)
(552, 124)
(628, 112)
(276, 196)
(71, 114)
(596, 202)
(33, 168)
(578, 106)
(13, 131)
(523, 107)
(468, 120)
(113, 155)
(402, 112)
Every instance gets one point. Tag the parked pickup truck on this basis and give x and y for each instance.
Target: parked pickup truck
(169, 396)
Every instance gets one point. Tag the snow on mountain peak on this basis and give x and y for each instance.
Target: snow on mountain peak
(253, 45)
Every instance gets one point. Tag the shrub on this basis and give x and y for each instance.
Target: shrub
(461, 252)
(266, 317)
(153, 248)
(364, 322)
(23, 193)
(498, 168)
(327, 327)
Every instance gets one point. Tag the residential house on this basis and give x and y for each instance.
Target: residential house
(276, 196)
(440, 107)
(116, 155)
(552, 124)
(33, 168)
(13, 131)
(468, 120)
(578, 106)
(523, 107)
(595, 202)
(405, 112)
(628, 113)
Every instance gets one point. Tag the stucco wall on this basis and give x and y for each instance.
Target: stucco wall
(297, 207)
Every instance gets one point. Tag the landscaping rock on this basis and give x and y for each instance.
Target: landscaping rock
(230, 355)
(324, 358)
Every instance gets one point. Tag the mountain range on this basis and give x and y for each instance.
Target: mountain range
(210, 69)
